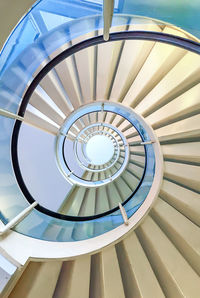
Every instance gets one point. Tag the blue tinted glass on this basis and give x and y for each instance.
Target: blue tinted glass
(12, 200)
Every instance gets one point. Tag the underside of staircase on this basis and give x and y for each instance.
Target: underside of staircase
(157, 77)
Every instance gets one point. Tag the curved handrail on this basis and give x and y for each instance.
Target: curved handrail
(130, 35)
(181, 42)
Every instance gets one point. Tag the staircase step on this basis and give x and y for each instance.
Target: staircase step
(183, 174)
(112, 281)
(176, 277)
(137, 275)
(159, 62)
(73, 272)
(36, 275)
(181, 231)
(184, 200)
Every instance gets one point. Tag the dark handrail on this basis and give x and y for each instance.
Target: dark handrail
(126, 35)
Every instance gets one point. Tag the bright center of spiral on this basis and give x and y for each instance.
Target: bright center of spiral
(99, 149)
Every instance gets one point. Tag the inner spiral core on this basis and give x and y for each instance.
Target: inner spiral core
(99, 149)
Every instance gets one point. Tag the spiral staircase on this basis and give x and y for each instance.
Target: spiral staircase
(134, 99)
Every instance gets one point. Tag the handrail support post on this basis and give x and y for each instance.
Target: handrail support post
(17, 219)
